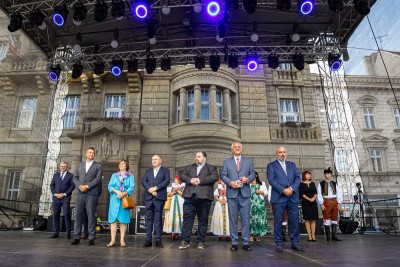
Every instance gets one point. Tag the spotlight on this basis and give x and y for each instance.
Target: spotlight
(79, 14)
(152, 40)
(117, 65)
(254, 35)
(233, 61)
(78, 43)
(114, 42)
(166, 10)
(295, 35)
(200, 62)
(215, 62)
(335, 5)
(334, 61)
(77, 70)
(60, 15)
(197, 8)
(117, 9)
(54, 72)
(305, 6)
(252, 62)
(142, 9)
(151, 64)
(15, 22)
(362, 7)
(273, 61)
(36, 18)
(298, 61)
(232, 5)
(165, 63)
(133, 65)
(213, 8)
(100, 11)
(219, 39)
(284, 5)
(250, 6)
(98, 68)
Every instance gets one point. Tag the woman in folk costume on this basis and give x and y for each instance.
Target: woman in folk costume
(220, 217)
(174, 213)
(258, 215)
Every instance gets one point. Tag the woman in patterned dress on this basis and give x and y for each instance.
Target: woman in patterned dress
(220, 217)
(174, 215)
(258, 216)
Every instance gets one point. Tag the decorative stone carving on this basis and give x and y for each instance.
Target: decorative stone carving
(375, 140)
(42, 84)
(190, 79)
(10, 87)
(367, 100)
(98, 83)
(85, 83)
(134, 82)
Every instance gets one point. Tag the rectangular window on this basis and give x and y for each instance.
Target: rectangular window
(190, 105)
(26, 112)
(71, 114)
(205, 105)
(376, 160)
(284, 66)
(369, 118)
(14, 180)
(220, 106)
(115, 106)
(289, 110)
(397, 117)
(178, 108)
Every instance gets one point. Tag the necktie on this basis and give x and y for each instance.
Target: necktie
(62, 176)
(238, 164)
(283, 164)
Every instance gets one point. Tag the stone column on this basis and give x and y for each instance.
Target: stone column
(227, 105)
(213, 103)
(197, 102)
(183, 105)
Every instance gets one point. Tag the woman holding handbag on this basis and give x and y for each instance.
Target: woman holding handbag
(121, 184)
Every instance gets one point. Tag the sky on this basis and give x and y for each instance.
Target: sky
(385, 21)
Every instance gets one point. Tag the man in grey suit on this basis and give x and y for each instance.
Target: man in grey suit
(200, 178)
(237, 174)
(87, 180)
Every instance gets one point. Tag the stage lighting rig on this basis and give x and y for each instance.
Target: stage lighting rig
(98, 68)
(232, 5)
(60, 15)
(141, 9)
(250, 6)
(298, 61)
(335, 5)
(54, 72)
(213, 8)
(215, 62)
(305, 6)
(36, 19)
(77, 70)
(252, 62)
(334, 61)
(284, 5)
(200, 62)
(79, 13)
(273, 61)
(117, 65)
(133, 65)
(78, 43)
(117, 9)
(100, 11)
(165, 63)
(151, 64)
(362, 7)
(233, 61)
(15, 22)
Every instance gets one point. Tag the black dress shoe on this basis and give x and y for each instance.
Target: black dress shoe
(55, 236)
(158, 244)
(234, 248)
(91, 242)
(247, 248)
(147, 244)
(298, 248)
(75, 242)
(279, 249)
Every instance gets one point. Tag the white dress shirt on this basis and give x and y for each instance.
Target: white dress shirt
(283, 164)
(338, 196)
(199, 168)
(155, 171)
(88, 164)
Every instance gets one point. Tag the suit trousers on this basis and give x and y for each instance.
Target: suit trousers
(63, 203)
(154, 211)
(191, 207)
(85, 203)
(235, 205)
(293, 219)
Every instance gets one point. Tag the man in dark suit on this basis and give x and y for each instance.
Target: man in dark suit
(237, 174)
(87, 180)
(284, 179)
(61, 187)
(155, 182)
(200, 178)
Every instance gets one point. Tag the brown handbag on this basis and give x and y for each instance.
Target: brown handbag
(127, 202)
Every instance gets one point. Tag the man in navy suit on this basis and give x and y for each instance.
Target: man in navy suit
(155, 182)
(284, 179)
(61, 187)
(237, 173)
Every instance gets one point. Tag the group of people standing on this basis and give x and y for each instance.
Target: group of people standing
(239, 191)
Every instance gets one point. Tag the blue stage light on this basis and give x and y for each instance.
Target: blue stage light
(54, 72)
(213, 8)
(305, 6)
(142, 9)
(252, 62)
(117, 67)
(60, 15)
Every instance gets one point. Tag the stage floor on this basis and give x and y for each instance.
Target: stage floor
(18, 248)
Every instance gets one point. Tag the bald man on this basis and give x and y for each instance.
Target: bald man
(284, 179)
(155, 182)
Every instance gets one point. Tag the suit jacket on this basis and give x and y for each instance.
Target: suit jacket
(161, 181)
(208, 175)
(65, 186)
(92, 178)
(230, 173)
(279, 180)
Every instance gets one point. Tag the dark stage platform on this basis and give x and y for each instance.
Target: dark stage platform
(38, 249)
